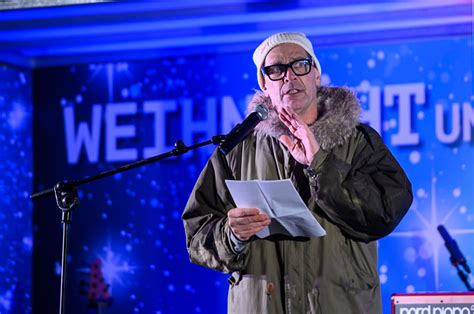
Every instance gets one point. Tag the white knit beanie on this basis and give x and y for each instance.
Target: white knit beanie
(264, 48)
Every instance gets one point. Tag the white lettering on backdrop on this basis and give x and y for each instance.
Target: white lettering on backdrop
(452, 123)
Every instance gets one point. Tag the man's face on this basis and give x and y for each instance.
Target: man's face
(295, 92)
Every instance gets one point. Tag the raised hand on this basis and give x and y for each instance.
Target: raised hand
(303, 146)
(245, 222)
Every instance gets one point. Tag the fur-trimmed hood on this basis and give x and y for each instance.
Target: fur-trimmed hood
(338, 115)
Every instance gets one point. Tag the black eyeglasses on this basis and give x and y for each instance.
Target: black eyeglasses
(277, 72)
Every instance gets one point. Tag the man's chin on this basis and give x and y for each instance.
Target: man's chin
(296, 106)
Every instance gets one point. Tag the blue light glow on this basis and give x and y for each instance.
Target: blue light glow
(16, 167)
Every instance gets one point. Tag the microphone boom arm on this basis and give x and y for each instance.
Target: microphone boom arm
(67, 198)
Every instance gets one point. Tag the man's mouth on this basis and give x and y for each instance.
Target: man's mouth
(292, 91)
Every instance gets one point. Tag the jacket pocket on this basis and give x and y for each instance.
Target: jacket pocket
(359, 279)
(360, 271)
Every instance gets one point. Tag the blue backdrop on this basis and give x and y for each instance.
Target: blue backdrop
(91, 118)
(16, 173)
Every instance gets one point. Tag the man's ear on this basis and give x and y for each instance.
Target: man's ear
(318, 79)
(264, 88)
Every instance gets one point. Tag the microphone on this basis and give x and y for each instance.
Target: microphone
(242, 130)
(456, 256)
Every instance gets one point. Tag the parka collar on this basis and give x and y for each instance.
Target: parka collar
(338, 115)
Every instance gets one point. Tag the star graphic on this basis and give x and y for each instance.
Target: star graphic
(112, 267)
(430, 232)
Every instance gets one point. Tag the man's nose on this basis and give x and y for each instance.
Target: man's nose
(290, 75)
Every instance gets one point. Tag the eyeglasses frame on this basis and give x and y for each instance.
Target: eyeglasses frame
(288, 65)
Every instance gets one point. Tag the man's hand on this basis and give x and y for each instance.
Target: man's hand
(245, 222)
(304, 146)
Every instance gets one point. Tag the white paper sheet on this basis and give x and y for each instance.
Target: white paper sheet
(281, 202)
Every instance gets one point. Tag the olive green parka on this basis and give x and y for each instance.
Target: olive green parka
(354, 187)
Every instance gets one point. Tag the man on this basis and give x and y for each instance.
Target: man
(342, 170)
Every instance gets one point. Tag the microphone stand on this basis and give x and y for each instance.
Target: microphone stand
(464, 276)
(67, 197)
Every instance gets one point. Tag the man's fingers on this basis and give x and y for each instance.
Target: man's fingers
(292, 116)
(248, 222)
(245, 232)
(242, 212)
(287, 122)
(248, 219)
(253, 227)
(293, 121)
(295, 127)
